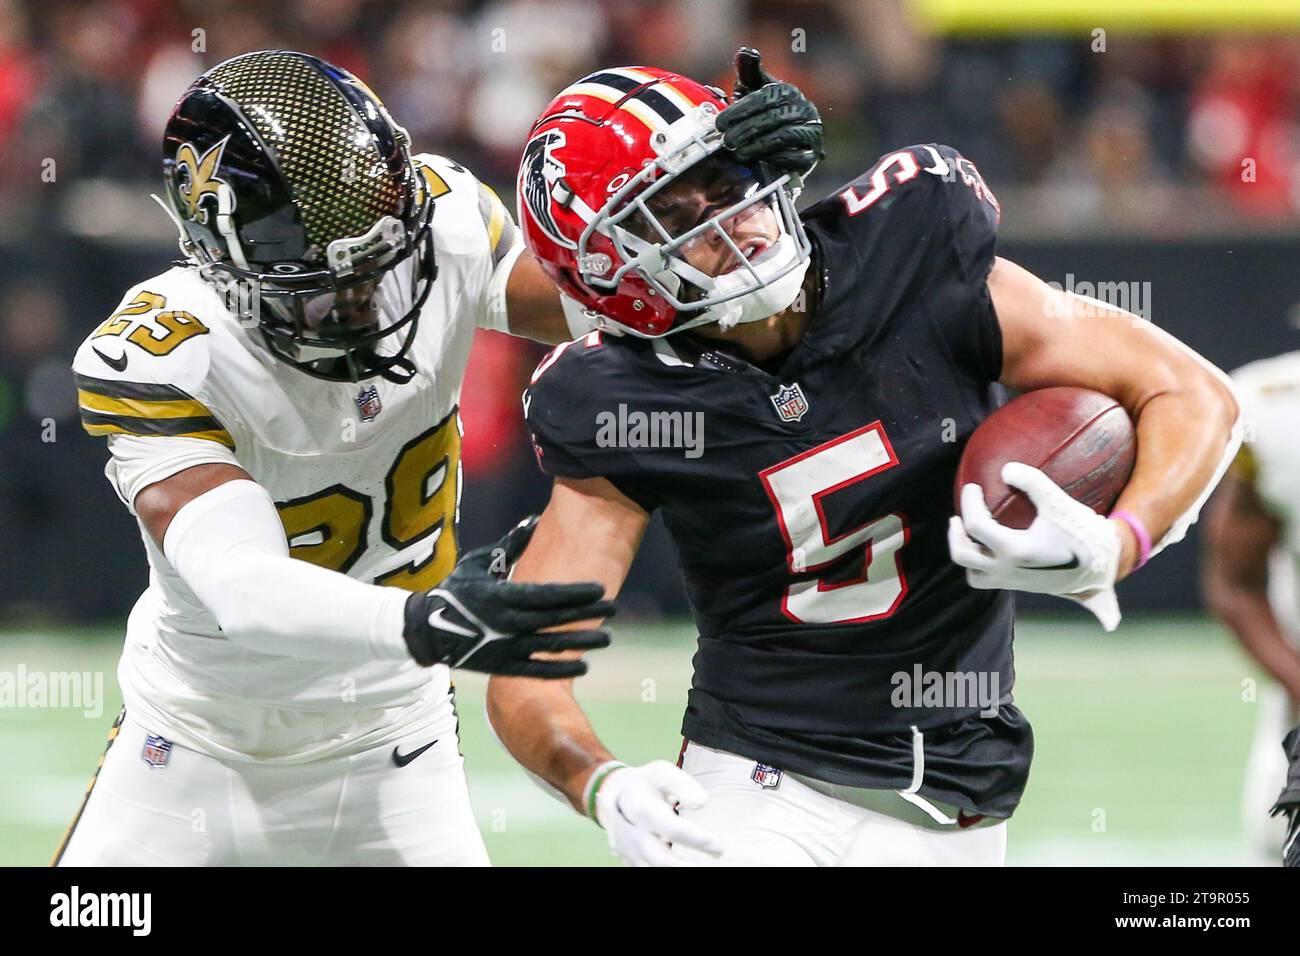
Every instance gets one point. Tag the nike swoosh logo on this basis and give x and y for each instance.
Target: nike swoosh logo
(403, 759)
(1067, 566)
(117, 364)
(436, 620)
(964, 820)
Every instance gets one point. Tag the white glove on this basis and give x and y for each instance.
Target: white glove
(1069, 550)
(635, 806)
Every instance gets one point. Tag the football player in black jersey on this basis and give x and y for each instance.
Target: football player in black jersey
(792, 392)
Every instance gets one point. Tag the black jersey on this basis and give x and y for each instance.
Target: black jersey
(808, 504)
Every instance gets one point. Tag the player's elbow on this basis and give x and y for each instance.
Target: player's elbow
(1215, 397)
(1203, 393)
(238, 595)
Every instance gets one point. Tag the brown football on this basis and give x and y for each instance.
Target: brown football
(1083, 440)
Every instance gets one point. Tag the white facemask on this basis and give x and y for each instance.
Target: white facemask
(770, 298)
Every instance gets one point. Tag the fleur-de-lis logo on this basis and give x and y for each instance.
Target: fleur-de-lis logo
(200, 177)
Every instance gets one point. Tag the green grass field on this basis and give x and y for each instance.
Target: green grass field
(1141, 744)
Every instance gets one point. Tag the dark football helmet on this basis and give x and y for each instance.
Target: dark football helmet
(288, 178)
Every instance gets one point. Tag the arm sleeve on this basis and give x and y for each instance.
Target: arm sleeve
(229, 547)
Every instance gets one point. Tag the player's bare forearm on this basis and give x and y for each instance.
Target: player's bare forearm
(1239, 534)
(588, 532)
(1249, 616)
(533, 304)
(546, 730)
(1183, 408)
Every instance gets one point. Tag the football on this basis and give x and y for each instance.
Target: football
(1083, 440)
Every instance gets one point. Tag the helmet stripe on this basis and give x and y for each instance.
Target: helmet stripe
(652, 98)
(614, 86)
(645, 87)
(616, 79)
(597, 90)
(638, 77)
(682, 101)
(642, 111)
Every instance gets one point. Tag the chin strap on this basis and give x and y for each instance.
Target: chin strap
(364, 363)
(391, 372)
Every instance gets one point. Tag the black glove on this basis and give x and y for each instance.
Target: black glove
(1288, 801)
(476, 620)
(770, 122)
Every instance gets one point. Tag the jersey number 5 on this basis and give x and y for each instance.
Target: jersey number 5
(797, 487)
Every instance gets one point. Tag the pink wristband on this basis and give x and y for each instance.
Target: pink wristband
(1139, 532)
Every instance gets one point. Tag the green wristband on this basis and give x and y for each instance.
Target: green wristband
(593, 785)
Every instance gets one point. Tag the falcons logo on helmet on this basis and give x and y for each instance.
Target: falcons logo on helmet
(538, 171)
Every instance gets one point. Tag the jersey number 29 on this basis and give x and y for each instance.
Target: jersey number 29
(330, 528)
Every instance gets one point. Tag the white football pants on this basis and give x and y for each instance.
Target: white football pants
(197, 810)
(792, 824)
(1266, 773)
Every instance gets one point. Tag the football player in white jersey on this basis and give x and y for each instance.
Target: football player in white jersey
(281, 415)
(1252, 569)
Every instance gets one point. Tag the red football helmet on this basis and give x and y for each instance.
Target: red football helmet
(600, 151)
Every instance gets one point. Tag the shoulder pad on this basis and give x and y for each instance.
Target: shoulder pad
(930, 169)
(467, 210)
(922, 191)
(142, 370)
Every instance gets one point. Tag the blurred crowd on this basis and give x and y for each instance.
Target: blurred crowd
(1109, 126)
(1152, 136)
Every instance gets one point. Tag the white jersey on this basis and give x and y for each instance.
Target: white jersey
(366, 478)
(1269, 460)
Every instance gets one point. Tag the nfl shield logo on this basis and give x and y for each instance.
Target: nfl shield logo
(769, 778)
(156, 750)
(790, 403)
(368, 403)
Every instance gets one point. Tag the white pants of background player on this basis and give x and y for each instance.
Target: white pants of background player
(795, 825)
(1266, 773)
(197, 810)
